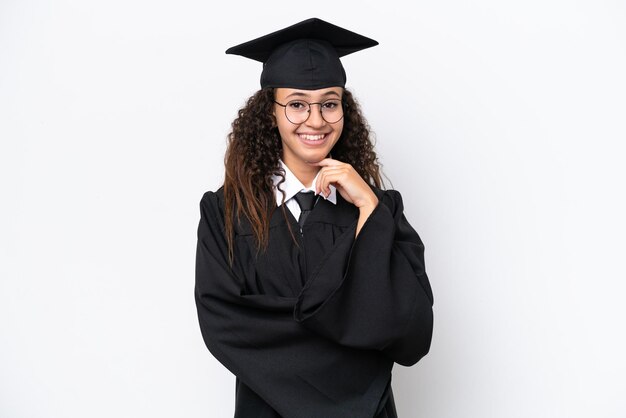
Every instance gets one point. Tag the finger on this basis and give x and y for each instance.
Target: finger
(322, 181)
(330, 166)
(339, 174)
(336, 177)
(346, 180)
(327, 162)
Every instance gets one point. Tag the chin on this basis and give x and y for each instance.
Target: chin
(315, 158)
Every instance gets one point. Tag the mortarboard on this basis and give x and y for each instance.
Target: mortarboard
(305, 55)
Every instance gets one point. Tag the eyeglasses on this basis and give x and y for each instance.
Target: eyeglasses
(298, 111)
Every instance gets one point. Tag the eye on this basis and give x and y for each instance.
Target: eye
(297, 105)
(331, 104)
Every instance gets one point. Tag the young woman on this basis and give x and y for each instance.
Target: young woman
(310, 282)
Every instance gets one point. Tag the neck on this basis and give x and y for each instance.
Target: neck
(303, 172)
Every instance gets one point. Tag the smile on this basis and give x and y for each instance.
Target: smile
(307, 137)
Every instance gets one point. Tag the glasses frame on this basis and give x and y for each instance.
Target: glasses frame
(341, 101)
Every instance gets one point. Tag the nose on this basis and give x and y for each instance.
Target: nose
(315, 116)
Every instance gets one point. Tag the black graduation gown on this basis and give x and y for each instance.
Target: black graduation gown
(312, 330)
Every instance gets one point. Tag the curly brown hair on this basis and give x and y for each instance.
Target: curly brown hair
(252, 159)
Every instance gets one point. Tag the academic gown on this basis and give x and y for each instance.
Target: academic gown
(311, 329)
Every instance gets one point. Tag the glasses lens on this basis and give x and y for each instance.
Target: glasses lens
(298, 111)
(332, 111)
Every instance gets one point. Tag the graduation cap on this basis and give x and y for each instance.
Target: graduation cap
(305, 55)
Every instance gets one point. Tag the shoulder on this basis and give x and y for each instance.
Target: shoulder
(212, 207)
(214, 196)
(212, 203)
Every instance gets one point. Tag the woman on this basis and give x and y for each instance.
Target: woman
(310, 282)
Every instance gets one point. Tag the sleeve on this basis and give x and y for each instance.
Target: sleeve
(372, 292)
(296, 371)
(227, 317)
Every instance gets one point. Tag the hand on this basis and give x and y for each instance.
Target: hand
(348, 182)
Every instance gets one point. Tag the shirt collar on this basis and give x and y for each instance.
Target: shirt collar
(292, 186)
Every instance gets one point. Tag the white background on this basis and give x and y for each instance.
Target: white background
(502, 124)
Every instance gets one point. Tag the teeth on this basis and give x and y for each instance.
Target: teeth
(312, 137)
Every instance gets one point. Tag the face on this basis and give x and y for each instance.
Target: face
(312, 140)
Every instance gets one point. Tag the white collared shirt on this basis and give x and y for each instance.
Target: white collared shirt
(293, 186)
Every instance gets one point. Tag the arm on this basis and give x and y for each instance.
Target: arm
(372, 291)
(296, 371)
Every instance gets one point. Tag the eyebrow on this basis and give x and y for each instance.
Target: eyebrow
(300, 94)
